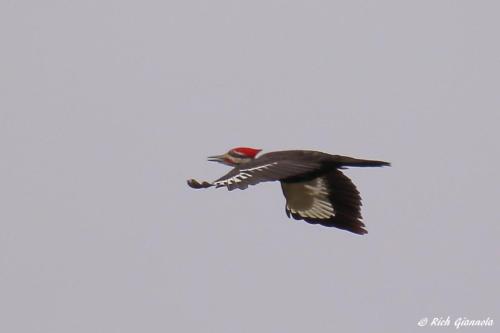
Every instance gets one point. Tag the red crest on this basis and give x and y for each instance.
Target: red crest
(250, 152)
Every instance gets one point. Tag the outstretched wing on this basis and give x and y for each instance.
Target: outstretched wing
(331, 200)
(253, 173)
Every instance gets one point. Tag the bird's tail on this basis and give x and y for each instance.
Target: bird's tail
(356, 162)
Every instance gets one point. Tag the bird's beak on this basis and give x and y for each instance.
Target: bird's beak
(217, 158)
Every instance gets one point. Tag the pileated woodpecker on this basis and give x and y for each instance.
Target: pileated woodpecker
(314, 188)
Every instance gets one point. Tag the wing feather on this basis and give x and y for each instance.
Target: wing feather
(331, 200)
(253, 173)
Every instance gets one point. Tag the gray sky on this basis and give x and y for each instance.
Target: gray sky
(107, 107)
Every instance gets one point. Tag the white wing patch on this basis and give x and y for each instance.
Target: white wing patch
(308, 199)
(243, 174)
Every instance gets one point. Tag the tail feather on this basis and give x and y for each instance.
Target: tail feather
(356, 162)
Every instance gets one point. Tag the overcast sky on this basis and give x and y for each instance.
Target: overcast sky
(107, 107)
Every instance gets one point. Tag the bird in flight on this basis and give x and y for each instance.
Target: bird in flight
(315, 189)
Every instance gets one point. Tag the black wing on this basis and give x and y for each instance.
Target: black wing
(260, 171)
(331, 200)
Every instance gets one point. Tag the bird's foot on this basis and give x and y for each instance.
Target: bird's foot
(193, 183)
